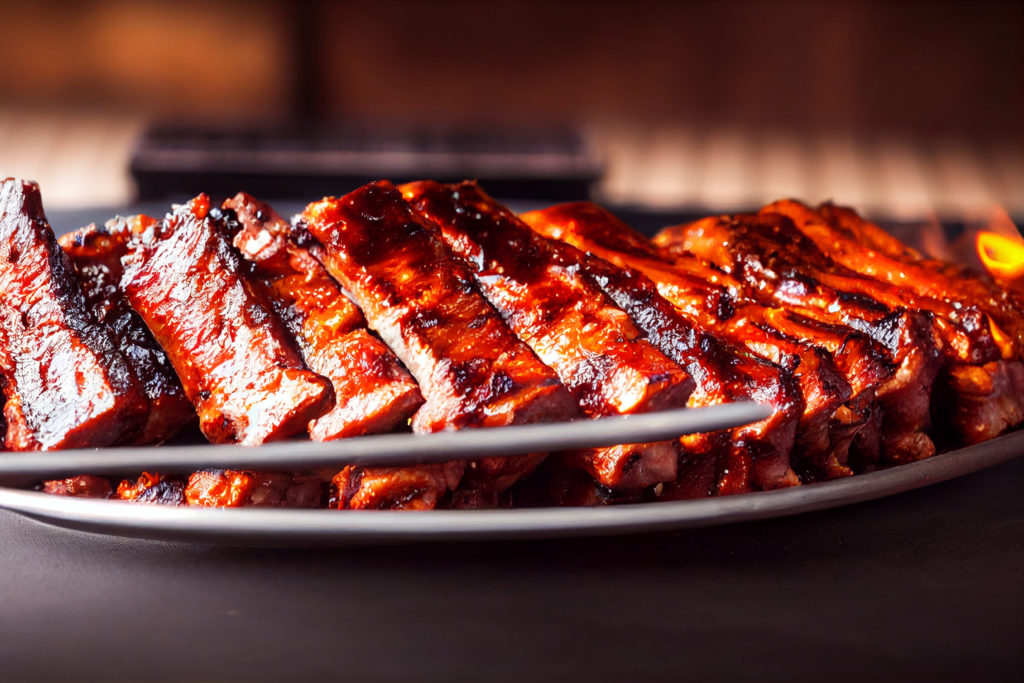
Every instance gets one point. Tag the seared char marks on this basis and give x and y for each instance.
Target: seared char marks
(373, 392)
(239, 366)
(95, 254)
(472, 370)
(67, 384)
(537, 286)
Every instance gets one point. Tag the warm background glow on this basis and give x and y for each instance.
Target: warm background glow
(897, 107)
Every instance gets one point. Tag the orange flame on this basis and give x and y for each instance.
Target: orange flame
(1000, 246)
(1002, 256)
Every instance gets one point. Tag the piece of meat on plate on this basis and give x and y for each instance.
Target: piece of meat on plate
(373, 392)
(573, 326)
(772, 263)
(237, 362)
(752, 456)
(66, 382)
(824, 431)
(471, 369)
(96, 253)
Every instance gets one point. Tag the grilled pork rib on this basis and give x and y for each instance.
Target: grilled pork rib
(779, 261)
(566, 319)
(826, 428)
(235, 359)
(770, 262)
(867, 249)
(95, 254)
(757, 454)
(472, 371)
(978, 401)
(66, 382)
(373, 392)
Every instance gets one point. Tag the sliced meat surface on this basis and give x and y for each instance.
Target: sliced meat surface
(95, 254)
(771, 263)
(373, 392)
(471, 369)
(236, 360)
(237, 488)
(66, 382)
(755, 456)
(824, 432)
(571, 324)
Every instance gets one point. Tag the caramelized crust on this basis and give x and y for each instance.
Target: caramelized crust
(67, 384)
(373, 392)
(95, 254)
(824, 432)
(779, 261)
(566, 319)
(153, 488)
(753, 456)
(235, 359)
(843, 236)
(472, 371)
(234, 488)
(772, 263)
(394, 488)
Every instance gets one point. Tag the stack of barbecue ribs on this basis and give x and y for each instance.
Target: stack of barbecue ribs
(432, 307)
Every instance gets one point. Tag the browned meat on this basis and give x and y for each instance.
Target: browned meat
(82, 486)
(757, 454)
(843, 235)
(236, 360)
(153, 488)
(66, 382)
(373, 392)
(472, 371)
(967, 336)
(770, 262)
(95, 254)
(567, 320)
(827, 427)
(233, 488)
(395, 488)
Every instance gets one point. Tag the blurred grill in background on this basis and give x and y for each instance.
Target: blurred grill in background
(908, 111)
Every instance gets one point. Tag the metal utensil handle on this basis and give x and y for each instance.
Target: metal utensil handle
(384, 449)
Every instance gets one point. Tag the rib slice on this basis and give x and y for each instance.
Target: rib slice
(754, 456)
(867, 249)
(826, 427)
(472, 371)
(373, 392)
(772, 263)
(235, 359)
(236, 488)
(977, 403)
(95, 254)
(67, 385)
(566, 319)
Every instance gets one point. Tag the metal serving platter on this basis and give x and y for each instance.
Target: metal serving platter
(280, 527)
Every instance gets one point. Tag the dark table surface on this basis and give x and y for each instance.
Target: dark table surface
(926, 585)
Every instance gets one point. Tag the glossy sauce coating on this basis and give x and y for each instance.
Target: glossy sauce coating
(236, 488)
(236, 360)
(66, 383)
(566, 319)
(472, 370)
(773, 264)
(706, 303)
(755, 456)
(373, 392)
(868, 250)
(95, 254)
